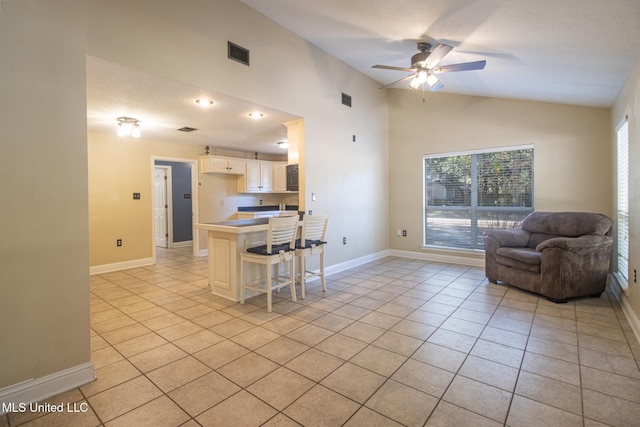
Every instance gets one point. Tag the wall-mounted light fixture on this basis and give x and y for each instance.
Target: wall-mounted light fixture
(128, 126)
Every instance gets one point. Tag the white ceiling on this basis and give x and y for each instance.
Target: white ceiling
(164, 105)
(566, 51)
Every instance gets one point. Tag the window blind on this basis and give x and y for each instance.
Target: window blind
(623, 200)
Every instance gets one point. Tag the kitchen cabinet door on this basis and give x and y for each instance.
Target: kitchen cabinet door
(257, 178)
(214, 164)
(280, 177)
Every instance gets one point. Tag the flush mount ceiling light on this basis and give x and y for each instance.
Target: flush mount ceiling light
(128, 126)
(256, 115)
(204, 102)
(283, 144)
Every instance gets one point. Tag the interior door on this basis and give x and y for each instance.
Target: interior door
(160, 208)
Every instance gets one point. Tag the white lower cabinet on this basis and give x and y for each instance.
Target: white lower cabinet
(263, 214)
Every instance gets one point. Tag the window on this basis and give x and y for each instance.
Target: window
(468, 192)
(622, 143)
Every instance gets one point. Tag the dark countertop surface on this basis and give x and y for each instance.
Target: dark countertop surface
(265, 208)
(241, 222)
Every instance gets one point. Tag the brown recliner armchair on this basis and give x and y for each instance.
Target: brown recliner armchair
(559, 255)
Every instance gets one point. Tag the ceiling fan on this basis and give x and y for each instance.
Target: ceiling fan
(425, 64)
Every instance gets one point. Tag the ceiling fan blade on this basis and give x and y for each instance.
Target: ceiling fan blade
(467, 66)
(389, 67)
(436, 86)
(437, 53)
(410, 76)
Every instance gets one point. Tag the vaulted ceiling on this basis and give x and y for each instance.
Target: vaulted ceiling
(564, 51)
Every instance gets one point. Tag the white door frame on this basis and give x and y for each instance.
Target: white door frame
(194, 200)
(168, 205)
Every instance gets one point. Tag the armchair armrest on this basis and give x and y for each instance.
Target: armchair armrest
(513, 238)
(576, 244)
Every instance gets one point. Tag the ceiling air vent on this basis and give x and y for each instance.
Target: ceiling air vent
(187, 129)
(238, 53)
(346, 99)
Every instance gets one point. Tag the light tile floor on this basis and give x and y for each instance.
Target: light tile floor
(394, 342)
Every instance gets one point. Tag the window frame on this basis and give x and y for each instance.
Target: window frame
(425, 205)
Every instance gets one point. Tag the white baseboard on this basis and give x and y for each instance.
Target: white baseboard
(203, 252)
(184, 244)
(436, 257)
(622, 298)
(38, 389)
(337, 268)
(117, 266)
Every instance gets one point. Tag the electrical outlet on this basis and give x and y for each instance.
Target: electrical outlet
(344, 240)
(404, 233)
(119, 242)
(136, 196)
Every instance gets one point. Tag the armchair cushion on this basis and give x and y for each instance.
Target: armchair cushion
(557, 254)
(524, 258)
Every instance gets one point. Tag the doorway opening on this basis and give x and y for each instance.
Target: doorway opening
(174, 204)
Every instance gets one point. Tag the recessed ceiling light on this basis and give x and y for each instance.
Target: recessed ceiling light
(283, 144)
(204, 102)
(256, 115)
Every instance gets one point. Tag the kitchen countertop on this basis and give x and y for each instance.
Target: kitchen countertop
(266, 208)
(236, 226)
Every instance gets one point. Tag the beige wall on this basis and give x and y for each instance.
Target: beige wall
(187, 41)
(119, 167)
(628, 103)
(572, 167)
(44, 256)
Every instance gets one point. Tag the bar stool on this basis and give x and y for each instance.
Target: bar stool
(311, 242)
(279, 248)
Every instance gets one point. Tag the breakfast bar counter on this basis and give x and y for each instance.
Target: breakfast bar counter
(226, 239)
(238, 226)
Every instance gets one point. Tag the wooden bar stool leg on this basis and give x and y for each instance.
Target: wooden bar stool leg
(303, 274)
(269, 279)
(292, 278)
(324, 288)
(241, 279)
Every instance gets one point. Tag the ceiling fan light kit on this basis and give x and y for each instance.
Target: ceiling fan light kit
(424, 66)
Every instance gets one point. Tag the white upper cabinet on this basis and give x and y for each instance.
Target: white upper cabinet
(227, 165)
(280, 177)
(258, 178)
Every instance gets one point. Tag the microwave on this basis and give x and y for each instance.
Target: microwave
(292, 177)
